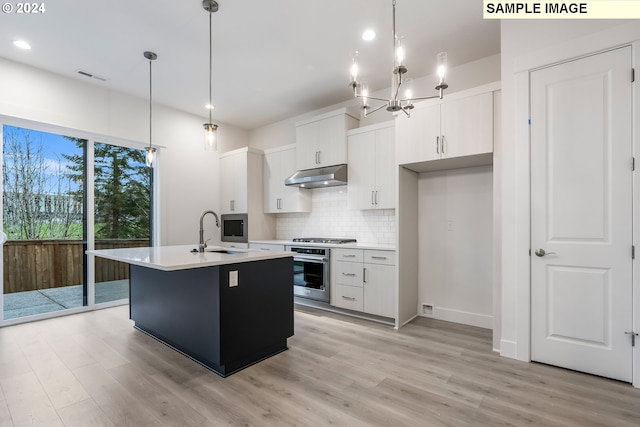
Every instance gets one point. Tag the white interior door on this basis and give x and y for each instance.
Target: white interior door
(581, 214)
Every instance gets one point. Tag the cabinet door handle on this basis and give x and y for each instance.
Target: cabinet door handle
(348, 274)
(437, 144)
(378, 257)
(442, 143)
(373, 197)
(232, 205)
(364, 275)
(376, 198)
(349, 298)
(319, 158)
(349, 255)
(278, 203)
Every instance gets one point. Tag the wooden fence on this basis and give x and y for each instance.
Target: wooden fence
(43, 264)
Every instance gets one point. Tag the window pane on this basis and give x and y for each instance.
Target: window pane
(122, 185)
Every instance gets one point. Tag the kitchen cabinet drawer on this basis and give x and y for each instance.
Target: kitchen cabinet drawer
(350, 255)
(380, 257)
(348, 273)
(266, 246)
(349, 297)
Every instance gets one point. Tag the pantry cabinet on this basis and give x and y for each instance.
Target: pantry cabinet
(372, 177)
(322, 140)
(448, 129)
(279, 164)
(241, 191)
(364, 280)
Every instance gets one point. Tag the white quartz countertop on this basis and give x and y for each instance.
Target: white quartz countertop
(373, 246)
(171, 258)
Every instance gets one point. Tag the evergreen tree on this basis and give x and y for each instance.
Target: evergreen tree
(122, 189)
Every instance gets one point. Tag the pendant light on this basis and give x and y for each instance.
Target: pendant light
(395, 102)
(210, 129)
(151, 150)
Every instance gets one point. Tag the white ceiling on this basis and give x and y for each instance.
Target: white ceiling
(272, 59)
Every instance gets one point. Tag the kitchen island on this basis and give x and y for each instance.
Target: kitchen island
(226, 309)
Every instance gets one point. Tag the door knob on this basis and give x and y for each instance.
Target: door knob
(541, 252)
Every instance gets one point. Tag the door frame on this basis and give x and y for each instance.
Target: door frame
(516, 260)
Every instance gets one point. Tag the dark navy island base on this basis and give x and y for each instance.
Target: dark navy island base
(224, 328)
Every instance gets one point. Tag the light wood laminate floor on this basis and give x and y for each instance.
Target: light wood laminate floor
(94, 369)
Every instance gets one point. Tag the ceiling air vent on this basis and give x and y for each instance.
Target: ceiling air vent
(90, 75)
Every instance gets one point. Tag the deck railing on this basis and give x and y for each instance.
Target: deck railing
(43, 264)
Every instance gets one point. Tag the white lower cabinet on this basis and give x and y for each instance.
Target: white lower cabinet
(349, 297)
(364, 280)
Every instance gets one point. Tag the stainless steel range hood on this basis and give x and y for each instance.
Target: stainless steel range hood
(329, 176)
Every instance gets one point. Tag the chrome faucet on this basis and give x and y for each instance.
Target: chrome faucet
(202, 243)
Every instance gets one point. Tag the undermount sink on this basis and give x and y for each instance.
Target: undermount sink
(218, 251)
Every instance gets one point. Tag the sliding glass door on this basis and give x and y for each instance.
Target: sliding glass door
(42, 212)
(61, 196)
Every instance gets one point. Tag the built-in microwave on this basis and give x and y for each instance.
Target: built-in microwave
(235, 228)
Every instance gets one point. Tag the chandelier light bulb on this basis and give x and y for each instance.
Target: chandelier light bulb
(364, 92)
(408, 89)
(354, 68)
(400, 53)
(442, 64)
(442, 70)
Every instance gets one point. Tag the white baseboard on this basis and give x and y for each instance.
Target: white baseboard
(464, 317)
(508, 349)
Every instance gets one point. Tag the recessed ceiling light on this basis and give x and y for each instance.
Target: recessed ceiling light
(368, 35)
(209, 107)
(22, 44)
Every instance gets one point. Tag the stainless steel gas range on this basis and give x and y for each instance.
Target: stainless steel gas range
(311, 266)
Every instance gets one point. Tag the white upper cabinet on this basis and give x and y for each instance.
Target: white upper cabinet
(371, 175)
(454, 132)
(279, 164)
(322, 140)
(419, 136)
(239, 170)
(466, 126)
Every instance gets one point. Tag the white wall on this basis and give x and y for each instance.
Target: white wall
(528, 45)
(188, 175)
(456, 244)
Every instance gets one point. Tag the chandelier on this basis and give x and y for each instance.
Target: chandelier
(395, 102)
(210, 129)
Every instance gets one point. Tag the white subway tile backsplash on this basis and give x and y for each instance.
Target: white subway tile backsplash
(330, 217)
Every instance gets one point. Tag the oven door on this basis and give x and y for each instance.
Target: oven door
(311, 277)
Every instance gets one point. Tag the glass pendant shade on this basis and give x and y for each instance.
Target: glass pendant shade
(150, 156)
(364, 93)
(210, 129)
(354, 68)
(400, 54)
(210, 137)
(151, 150)
(442, 70)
